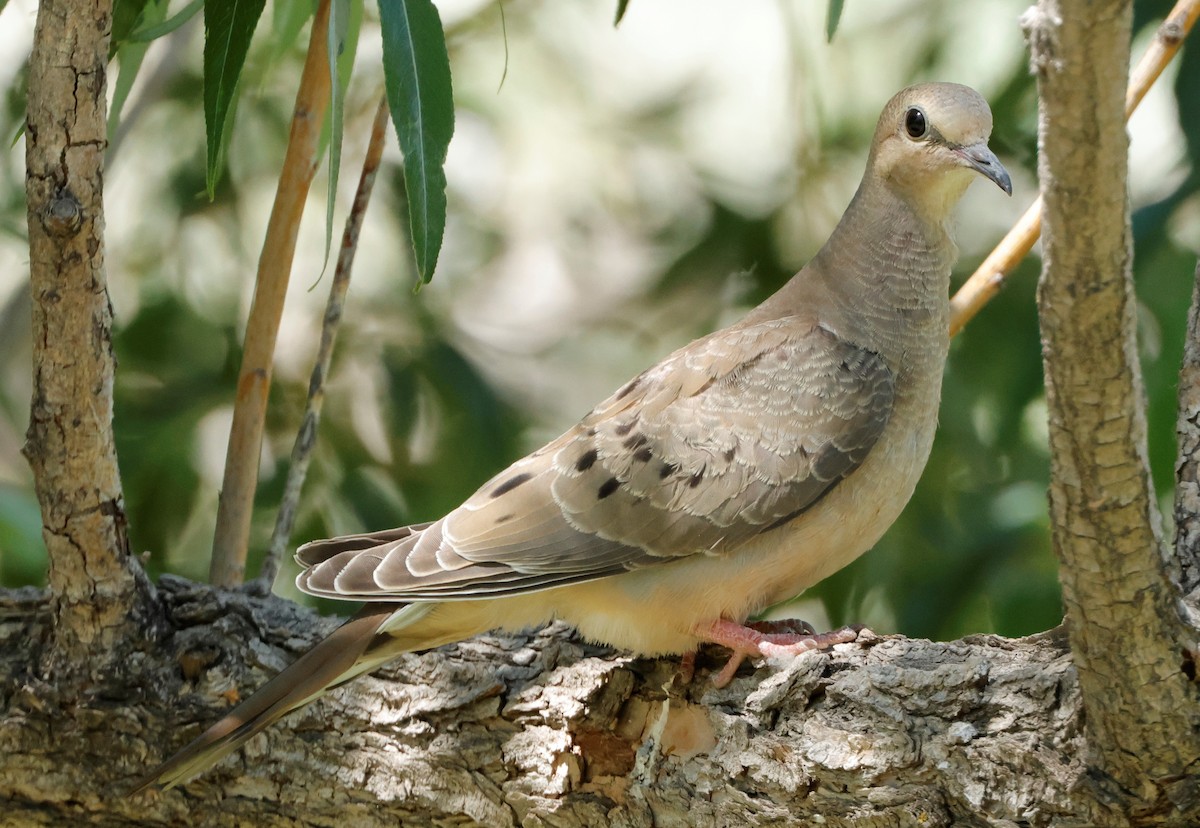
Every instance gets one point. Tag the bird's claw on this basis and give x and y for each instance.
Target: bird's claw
(779, 645)
(771, 640)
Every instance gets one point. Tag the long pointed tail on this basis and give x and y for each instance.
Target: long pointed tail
(346, 653)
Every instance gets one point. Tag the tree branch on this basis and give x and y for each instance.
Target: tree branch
(236, 503)
(1126, 630)
(544, 730)
(70, 444)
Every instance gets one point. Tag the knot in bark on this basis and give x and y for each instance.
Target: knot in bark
(63, 216)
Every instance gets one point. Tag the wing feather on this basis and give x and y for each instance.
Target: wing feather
(734, 435)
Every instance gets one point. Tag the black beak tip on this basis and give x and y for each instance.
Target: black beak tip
(985, 162)
(1003, 180)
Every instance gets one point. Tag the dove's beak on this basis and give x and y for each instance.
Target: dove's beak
(981, 159)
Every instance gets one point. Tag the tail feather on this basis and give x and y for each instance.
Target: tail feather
(346, 653)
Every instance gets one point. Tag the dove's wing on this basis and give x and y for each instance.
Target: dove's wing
(731, 436)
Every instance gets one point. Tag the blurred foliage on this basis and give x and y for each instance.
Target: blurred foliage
(624, 192)
(417, 81)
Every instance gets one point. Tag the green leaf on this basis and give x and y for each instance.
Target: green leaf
(131, 53)
(228, 27)
(622, 5)
(125, 18)
(287, 21)
(147, 32)
(416, 71)
(339, 75)
(832, 18)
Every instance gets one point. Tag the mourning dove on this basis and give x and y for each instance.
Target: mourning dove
(740, 470)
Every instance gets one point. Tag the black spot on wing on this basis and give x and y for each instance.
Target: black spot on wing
(512, 483)
(607, 487)
(667, 470)
(625, 427)
(635, 441)
(643, 454)
(696, 479)
(628, 387)
(586, 460)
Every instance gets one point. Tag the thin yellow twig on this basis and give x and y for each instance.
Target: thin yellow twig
(987, 280)
(274, 268)
(306, 438)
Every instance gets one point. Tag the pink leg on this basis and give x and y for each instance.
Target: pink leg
(769, 639)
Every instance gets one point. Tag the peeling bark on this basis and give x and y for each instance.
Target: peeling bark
(1126, 629)
(544, 730)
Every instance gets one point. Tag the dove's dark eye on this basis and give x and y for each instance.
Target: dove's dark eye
(915, 124)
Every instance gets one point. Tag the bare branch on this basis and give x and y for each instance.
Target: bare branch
(542, 729)
(236, 503)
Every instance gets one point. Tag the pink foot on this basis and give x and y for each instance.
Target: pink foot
(770, 639)
(687, 667)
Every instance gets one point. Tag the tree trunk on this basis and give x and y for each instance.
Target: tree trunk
(1187, 469)
(1122, 602)
(98, 590)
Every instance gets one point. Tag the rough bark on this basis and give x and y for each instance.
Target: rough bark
(545, 730)
(1187, 469)
(1126, 631)
(70, 443)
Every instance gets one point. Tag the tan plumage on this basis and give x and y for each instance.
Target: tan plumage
(737, 472)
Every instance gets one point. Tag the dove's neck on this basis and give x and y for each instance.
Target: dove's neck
(882, 280)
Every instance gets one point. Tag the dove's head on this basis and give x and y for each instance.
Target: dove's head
(930, 144)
